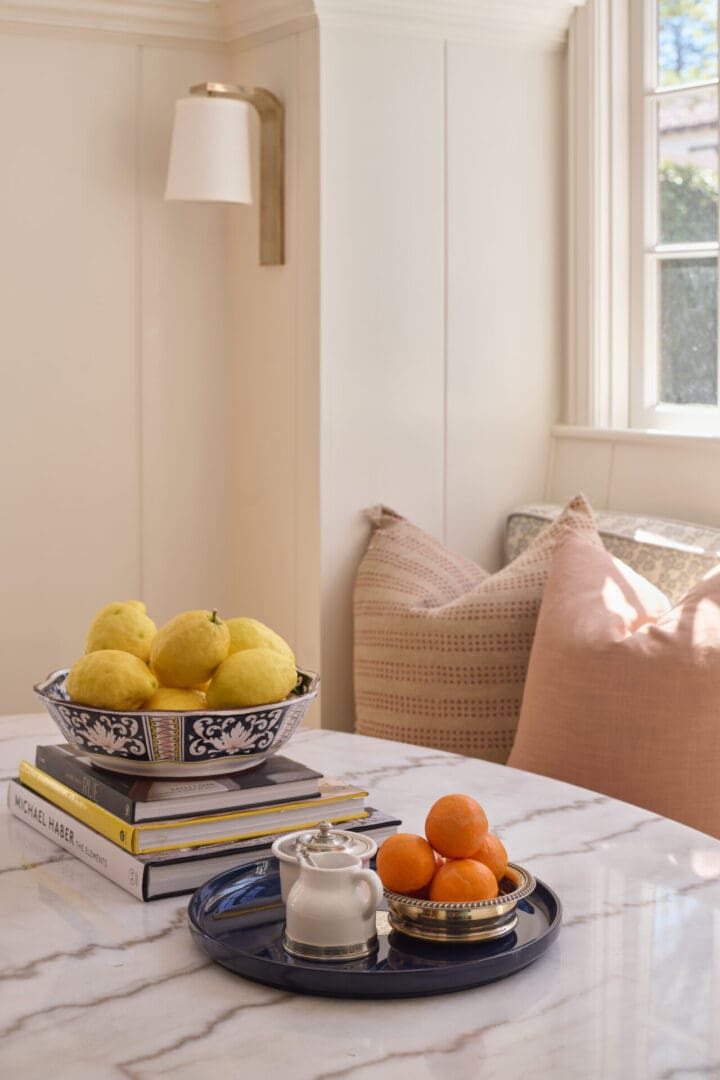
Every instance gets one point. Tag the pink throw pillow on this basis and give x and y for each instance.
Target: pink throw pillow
(619, 698)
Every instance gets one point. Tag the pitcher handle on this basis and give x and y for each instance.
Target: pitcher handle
(376, 891)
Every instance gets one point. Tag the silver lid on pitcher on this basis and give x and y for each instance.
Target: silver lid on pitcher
(325, 838)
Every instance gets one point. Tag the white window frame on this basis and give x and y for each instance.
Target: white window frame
(612, 263)
(598, 211)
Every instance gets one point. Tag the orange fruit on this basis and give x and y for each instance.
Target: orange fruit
(424, 893)
(493, 854)
(460, 880)
(456, 825)
(405, 863)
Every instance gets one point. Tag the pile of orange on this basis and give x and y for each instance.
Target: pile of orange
(457, 860)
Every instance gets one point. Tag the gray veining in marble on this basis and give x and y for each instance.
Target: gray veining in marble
(95, 984)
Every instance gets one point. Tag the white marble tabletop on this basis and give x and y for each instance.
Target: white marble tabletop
(96, 984)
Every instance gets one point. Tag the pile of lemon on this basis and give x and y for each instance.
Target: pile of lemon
(195, 661)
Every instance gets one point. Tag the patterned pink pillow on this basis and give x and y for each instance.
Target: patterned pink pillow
(621, 699)
(441, 646)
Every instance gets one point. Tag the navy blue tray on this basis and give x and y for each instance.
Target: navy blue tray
(238, 918)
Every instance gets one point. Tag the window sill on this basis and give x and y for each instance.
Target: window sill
(633, 435)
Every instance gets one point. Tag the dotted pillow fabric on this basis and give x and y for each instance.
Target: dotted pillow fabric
(441, 647)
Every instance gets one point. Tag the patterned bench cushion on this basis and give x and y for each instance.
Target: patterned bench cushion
(673, 555)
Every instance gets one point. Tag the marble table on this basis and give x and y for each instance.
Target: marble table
(96, 984)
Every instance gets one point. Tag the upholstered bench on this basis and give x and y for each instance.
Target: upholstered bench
(671, 554)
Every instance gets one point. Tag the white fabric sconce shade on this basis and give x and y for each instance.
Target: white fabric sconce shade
(209, 156)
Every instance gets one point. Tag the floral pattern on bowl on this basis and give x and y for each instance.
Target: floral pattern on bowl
(177, 743)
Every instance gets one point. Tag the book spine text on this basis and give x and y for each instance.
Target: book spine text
(107, 824)
(90, 785)
(111, 861)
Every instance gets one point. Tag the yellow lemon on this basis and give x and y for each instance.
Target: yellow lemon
(188, 648)
(122, 625)
(111, 679)
(251, 677)
(252, 634)
(167, 697)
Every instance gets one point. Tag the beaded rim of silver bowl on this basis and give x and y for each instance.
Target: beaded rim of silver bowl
(526, 886)
(467, 921)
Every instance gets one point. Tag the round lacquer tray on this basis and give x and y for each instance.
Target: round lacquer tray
(238, 918)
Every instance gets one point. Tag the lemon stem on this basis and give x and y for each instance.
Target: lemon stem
(214, 617)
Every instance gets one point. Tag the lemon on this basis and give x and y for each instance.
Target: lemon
(122, 625)
(188, 648)
(166, 697)
(252, 634)
(111, 679)
(251, 677)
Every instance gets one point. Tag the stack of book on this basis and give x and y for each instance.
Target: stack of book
(159, 838)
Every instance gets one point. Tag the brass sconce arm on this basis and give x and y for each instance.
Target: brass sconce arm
(272, 163)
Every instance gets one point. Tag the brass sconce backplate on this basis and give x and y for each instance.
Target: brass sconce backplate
(272, 163)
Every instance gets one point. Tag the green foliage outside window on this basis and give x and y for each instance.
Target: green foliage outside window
(688, 287)
(688, 204)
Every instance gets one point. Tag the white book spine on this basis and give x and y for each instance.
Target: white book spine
(82, 842)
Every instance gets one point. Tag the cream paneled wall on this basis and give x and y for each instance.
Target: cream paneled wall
(505, 285)
(186, 362)
(661, 474)
(185, 425)
(441, 278)
(383, 311)
(276, 381)
(115, 439)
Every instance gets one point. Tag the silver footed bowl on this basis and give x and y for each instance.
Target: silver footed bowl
(168, 743)
(478, 920)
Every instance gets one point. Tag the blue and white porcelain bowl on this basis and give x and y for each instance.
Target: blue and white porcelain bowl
(185, 744)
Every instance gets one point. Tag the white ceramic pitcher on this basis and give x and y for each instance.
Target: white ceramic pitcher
(330, 912)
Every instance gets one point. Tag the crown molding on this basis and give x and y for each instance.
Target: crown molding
(195, 20)
(510, 22)
(243, 19)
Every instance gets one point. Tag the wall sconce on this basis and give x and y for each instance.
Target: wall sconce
(210, 156)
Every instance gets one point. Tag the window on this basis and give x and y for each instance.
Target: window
(643, 207)
(674, 215)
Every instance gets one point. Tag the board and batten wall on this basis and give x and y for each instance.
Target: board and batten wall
(116, 434)
(186, 426)
(276, 376)
(442, 240)
(639, 472)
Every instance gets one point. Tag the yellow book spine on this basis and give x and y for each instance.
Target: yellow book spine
(230, 839)
(103, 822)
(255, 812)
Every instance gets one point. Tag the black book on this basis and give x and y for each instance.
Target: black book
(136, 799)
